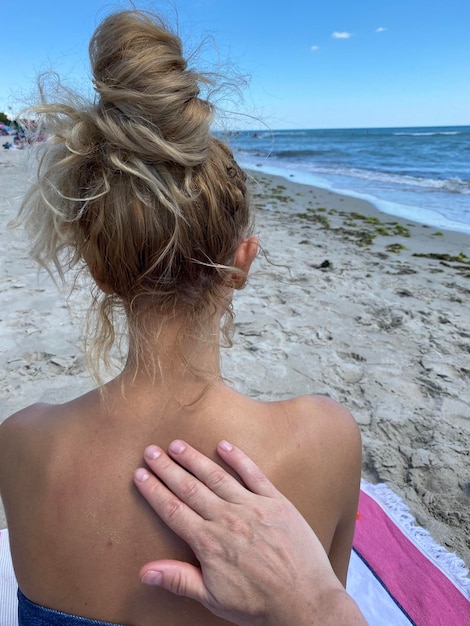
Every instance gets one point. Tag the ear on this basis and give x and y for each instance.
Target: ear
(105, 288)
(244, 257)
(97, 276)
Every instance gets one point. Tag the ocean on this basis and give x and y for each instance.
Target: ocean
(421, 174)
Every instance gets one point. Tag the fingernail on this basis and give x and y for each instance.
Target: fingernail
(141, 475)
(225, 445)
(152, 578)
(152, 452)
(176, 447)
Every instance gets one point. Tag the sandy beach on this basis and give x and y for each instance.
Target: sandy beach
(367, 308)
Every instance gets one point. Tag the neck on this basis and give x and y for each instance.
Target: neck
(174, 356)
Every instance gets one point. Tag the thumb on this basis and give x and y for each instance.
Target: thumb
(178, 577)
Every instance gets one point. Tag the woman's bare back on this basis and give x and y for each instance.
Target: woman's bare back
(79, 530)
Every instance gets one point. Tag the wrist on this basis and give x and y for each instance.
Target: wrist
(332, 606)
(336, 608)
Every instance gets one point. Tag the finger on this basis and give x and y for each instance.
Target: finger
(247, 469)
(220, 482)
(176, 514)
(188, 488)
(178, 577)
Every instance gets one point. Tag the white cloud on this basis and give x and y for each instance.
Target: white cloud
(380, 29)
(314, 48)
(337, 35)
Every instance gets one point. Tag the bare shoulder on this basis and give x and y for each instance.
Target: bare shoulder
(339, 434)
(23, 419)
(18, 432)
(324, 404)
(320, 437)
(339, 471)
(324, 458)
(320, 416)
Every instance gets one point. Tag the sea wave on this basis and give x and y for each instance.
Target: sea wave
(298, 154)
(428, 134)
(452, 185)
(269, 134)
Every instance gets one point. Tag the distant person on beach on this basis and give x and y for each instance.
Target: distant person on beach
(134, 189)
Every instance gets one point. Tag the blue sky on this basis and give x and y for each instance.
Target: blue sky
(330, 64)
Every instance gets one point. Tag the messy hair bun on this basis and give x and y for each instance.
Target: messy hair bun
(134, 186)
(147, 96)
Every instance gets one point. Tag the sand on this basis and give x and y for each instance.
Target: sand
(343, 307)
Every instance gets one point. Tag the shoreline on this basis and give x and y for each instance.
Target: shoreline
(378, 203)
(369, 205)
(339, 308)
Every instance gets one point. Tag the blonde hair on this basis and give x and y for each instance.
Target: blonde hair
(135, 185)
